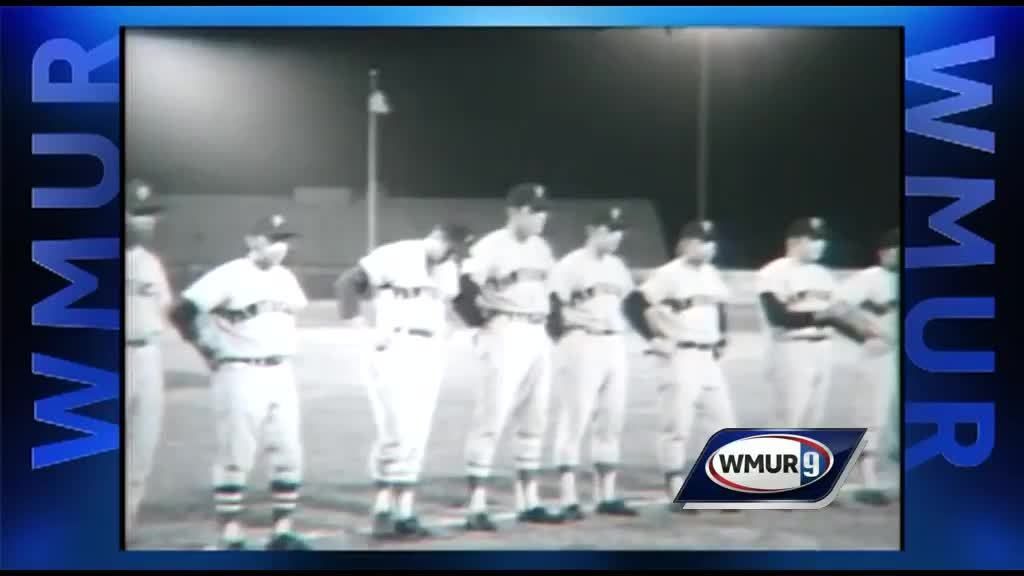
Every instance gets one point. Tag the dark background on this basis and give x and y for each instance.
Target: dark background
(802, 121)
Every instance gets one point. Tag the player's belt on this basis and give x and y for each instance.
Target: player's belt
(415, 332)
(265, 361)
(688, 345)
(523, 316)
(593, 332)
(805, 337)
(137, 342)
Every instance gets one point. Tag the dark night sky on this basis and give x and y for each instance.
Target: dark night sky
(802, 121)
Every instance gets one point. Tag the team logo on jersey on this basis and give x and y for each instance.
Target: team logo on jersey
(758, 468)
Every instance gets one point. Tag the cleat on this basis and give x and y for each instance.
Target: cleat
(288, 542)
(615, 508)
(235, 545)
(383, 525)
(411, 529)
(481, 523)
(539, 515)
(872, 497)
(573, 513)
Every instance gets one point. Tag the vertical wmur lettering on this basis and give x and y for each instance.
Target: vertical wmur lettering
(57, 256)
(968, 249)
(926, 119)
(57, 410)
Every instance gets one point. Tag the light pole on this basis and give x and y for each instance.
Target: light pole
(703, 119)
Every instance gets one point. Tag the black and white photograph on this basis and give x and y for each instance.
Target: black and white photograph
(495, 288)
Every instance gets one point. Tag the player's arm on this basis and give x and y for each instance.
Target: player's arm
(473, 276)
(351, 289)
(775, 310)
(639, 309)
(850, 295)
(203, 296)
(559, 294)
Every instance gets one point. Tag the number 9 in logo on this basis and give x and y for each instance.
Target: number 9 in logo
(811, 464)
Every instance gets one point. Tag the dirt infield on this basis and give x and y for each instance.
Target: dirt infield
(338, 429)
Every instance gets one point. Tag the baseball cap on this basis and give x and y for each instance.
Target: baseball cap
(811, 227)
(609, 217)
(529, 194)
(275, 227)
(140, 200)
(701, 230)
(891, 239)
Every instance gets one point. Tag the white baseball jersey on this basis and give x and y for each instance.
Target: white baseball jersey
(147, 294)
(512, 274)
(875, 290)
(800, 286)
(592, 288)
(251, 310)
(408, 291)
(693, 295)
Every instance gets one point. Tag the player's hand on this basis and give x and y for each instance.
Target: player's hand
(719, 350)
(209, 356)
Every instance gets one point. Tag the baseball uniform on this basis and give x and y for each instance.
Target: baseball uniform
(251, 327)
(406, 353)
(516, 349)
(802, 350)
(690, 298)
(875, 290)
(147, 299)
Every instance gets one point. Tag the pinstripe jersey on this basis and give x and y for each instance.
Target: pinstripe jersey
(147, 294)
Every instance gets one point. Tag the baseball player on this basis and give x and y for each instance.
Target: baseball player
(875, 290)
(147, 302)
(680, 308)
(504, 289)
(588, 288)
(410, 284)
(796, 295)
(248, 339)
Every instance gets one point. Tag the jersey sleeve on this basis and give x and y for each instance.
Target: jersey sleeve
(854, 290)
(654, 288)
(560, 283)
(769, 281)
(163, 286)
(211, 289)
(477, 265)
(448, 279)
(376, 264)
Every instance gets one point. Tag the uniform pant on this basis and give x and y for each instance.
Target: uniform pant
(804, 373)
(144, 411)
(874, 407)
(403, 381)
(590, 389)
(691, 377)
(516, 356)
(256, 409)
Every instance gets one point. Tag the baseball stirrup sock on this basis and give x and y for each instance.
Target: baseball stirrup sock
(405, 500)
(228, 502)
(285, 497)
(383, 501)
(528, 484)
(568, 476)
(606, 473)
(477, 495)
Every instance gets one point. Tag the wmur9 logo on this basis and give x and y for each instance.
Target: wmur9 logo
(780, 469)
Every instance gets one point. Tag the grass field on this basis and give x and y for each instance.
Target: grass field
(338, 430)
